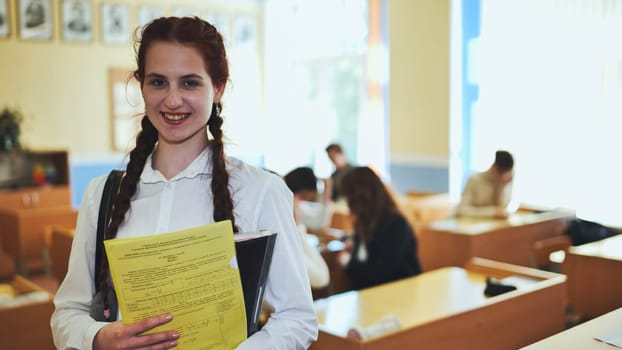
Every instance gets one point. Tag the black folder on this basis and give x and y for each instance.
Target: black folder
(254, 255)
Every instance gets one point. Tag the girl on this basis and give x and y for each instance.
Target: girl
(384, 244)
(178, 177)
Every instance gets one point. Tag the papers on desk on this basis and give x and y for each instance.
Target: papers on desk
(386, 324)
(611, 338)
(9, 297)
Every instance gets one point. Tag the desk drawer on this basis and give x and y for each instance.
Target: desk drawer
(35, 197)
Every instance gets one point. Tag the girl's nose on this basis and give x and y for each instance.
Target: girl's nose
(173, 99)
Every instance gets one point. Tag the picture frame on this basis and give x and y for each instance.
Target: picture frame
(5, 19)
(115, 23)
(35, 19)
(147, 13)
(77, 20)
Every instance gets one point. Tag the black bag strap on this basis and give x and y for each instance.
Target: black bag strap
(111, 187)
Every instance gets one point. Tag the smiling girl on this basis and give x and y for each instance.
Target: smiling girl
(179, 177)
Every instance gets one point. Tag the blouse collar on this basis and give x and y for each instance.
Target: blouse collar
(201, 165)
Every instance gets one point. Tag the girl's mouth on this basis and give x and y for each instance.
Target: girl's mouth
(175, 117)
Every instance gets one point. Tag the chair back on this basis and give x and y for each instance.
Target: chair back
(61, 238)
(542, 250)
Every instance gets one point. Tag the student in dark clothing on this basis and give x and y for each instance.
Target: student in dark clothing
(384, 245)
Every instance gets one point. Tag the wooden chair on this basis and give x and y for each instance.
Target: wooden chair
(542, 250)
(59, 240)
(7, 265)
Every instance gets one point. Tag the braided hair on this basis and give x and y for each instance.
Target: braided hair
(199, 34)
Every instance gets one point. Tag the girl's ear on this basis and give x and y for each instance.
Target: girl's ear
(219, 91)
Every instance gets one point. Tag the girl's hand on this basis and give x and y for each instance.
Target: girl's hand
(126, 336)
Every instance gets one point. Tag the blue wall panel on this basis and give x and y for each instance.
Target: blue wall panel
(420, 178)
(81, 174)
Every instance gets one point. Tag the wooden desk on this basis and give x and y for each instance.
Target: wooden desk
(22, 233)
(341, 217)
(452, 242)
(581, 337)
(594, 273)
(26, 326)
(35, 197)
(427, 207)
(447, 309)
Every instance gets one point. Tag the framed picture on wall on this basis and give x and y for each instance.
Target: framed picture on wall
(77, 17)
(115, 20)
(5, 25)
(35, 19)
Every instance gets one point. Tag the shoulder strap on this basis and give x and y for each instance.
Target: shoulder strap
(110, 190)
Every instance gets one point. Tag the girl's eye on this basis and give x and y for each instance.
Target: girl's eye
(157, 82)
(191, 83)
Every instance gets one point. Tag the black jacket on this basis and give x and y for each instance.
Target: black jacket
(391, 254)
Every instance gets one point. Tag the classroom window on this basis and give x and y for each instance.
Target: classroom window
(549, 81)
(316, 83)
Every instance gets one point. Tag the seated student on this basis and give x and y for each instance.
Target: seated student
(314, 214)
(384, 246)
(489, 193)
(308, 213)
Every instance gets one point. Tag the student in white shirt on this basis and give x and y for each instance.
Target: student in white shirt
(309, 209)
(489, 193)
(310, 214)
(179, 177)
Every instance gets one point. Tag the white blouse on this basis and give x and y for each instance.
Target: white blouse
(261, 201)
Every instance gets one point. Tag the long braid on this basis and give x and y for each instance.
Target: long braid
(145, 143)
(223, 204)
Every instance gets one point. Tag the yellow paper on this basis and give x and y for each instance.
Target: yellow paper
(191, 274)
(7, 290)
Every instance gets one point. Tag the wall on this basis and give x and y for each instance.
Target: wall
(419, 93)
(62, 87)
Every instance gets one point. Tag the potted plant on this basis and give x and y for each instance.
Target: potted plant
(10, 123)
